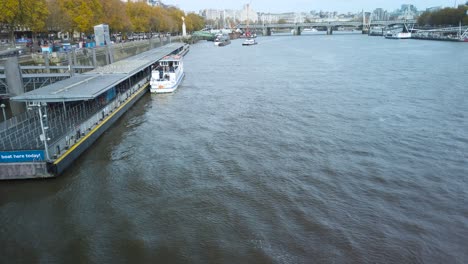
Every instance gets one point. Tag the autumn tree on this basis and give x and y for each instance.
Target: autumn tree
(84, 14)
(194, 22)
(36, 13)
(445, 17)
(156, 19)
(58, 19)
(81, 15)
(26, 13)
(115, 15)
(139, 14)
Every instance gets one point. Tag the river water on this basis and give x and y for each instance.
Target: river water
(301, 149)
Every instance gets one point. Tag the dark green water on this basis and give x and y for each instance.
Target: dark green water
(308, 149)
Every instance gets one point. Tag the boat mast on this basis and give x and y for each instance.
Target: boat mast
(459, 29)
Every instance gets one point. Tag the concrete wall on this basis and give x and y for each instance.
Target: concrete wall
(26, 170)
(15, 84)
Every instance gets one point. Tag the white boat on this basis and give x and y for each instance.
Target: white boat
(166, 77)
(222, 41)
(398, 35)
(404, 33)
(376, 31)
(248, 35)
(309, 30)
(249, 42)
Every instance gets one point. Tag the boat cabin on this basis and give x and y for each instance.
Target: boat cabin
(168, 66)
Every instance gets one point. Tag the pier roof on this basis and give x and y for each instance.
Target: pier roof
(91, 84)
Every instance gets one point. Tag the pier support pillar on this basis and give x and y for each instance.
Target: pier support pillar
(266, 31)
(14, 81)
(94, 57)
(70, 64)
(329, 30)
(110, 51)
(46, 61)
(297, 31)
(107, 55)
(74, 57)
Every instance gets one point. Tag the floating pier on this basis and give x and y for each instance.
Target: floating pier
(65, 118)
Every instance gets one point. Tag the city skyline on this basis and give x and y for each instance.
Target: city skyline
(305, 6)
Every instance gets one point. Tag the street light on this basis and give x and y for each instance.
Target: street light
(44, 127)
(3, 110)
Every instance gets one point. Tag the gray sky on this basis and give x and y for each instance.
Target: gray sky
(303, 5)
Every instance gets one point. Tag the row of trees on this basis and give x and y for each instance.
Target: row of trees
(43, 16)
(446, 16)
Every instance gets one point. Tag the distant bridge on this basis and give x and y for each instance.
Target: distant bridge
(298, 27)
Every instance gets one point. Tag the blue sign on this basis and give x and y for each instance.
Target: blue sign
(21, 156)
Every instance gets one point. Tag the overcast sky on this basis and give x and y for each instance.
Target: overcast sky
(305, 6)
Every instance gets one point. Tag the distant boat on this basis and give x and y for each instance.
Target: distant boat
(249, 42)
(222, 41)
(168, 75)
(376, 31)
(405, 33)
(250, 37)
(222, 31)
(309, 30)
(248, 34)
(397, 35)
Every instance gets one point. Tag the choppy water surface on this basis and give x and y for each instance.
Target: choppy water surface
(309, 149)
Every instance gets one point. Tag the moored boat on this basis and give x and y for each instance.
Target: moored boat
(376, 31)
(309, 30)
(249, 42)
(222, 41)
(398, 35)
(166, 77)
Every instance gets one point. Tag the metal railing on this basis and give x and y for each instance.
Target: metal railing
(63, 123)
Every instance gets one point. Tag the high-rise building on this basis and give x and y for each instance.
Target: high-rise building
(211, 14)
(233, 15)
(380, 14)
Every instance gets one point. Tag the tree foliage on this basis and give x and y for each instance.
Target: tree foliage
(445, 17)
(30, 14)
(115, 15)
(194, 22)
(139, 14)
(82, 15)
(35, 13)
(58, 19)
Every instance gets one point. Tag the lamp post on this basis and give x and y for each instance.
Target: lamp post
(43, 137)
(3, 110)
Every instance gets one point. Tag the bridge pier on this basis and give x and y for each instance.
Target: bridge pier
(329, 30)
(297, 31)
(266, 31)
